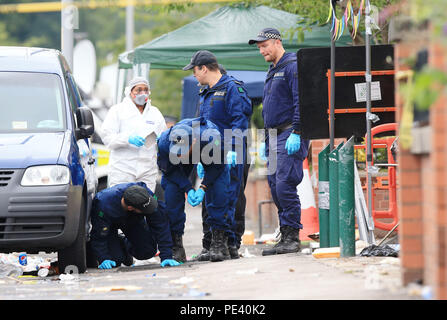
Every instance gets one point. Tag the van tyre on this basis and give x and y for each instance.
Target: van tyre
(75, 254)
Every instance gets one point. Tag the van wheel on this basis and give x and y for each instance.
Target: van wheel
(75, 254)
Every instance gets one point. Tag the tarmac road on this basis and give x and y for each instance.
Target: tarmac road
(282, 277)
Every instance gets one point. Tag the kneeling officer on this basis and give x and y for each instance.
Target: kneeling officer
(132, 208)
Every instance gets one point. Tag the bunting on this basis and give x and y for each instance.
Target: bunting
(339, 25)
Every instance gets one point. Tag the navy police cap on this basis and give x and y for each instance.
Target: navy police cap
(200, 58)
(266, 34)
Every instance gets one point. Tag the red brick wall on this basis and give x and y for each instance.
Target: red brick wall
(409, 179)
(435, 239)
(422, 196)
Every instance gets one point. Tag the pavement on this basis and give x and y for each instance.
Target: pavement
(297, 276)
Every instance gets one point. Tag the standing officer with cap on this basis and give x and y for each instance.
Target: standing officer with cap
(176, 148)
(132, 208)
(129, 131)
(281, 112)
(224, 101)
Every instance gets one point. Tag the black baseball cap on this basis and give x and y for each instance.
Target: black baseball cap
(139, 198)
(200, 58)
(266, 34)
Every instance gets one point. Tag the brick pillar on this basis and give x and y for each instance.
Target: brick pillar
(435, 236)
(409, 187)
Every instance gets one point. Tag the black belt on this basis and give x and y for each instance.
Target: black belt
(280, 129)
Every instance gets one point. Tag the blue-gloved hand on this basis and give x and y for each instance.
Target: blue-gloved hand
(107, 264)
(231, 158)
(136, 140)
(293, 143)
(200, 194)
(169, 263)
(200, 170)
(192, 197)
(262, 152)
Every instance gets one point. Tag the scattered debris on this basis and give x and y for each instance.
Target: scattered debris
(306, 251)
(267, 238)
(247, 254)
(379, 251)
(67, 278)
(17, 264)
(10, 270)
(315, 236)
(114, 288)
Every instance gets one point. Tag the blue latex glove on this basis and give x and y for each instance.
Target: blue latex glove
(200, 194)
(107, 264)
(200, 170)
(136, 140)
(293, 143)
(231, 158)
(262, 152)
(192, 197)
(169, 263)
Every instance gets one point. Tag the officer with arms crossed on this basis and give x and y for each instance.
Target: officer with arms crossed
(281, 113)
(224, 101)
(132, 208)
(129, 131)
(176, 150)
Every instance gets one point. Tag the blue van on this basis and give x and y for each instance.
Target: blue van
(47, 175)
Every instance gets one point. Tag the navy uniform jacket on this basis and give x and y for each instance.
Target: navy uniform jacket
(179, 173)
(280, 102)
(108, 215)
(228, 106)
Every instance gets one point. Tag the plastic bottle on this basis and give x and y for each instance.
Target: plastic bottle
(10, 270)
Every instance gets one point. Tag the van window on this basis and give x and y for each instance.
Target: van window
(31, 102)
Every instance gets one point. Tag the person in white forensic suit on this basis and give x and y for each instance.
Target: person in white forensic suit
(130, 130)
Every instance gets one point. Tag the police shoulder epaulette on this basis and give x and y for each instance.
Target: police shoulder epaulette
(240, 87)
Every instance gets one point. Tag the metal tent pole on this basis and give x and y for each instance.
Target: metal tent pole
(68, 23)
(332, 96)
(368, 102)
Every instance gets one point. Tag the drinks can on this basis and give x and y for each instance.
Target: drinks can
(43, 272)
(23, 259)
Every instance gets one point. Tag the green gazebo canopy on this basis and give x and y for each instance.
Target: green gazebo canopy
(225, 32)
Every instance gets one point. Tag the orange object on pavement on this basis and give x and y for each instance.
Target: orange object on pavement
(309, 214)
(386, 183)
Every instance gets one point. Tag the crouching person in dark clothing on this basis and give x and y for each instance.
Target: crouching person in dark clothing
(131, 208)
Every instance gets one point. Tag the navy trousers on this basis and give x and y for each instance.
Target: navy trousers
(238, 181)
(175, 206)
(285, 173)
(138, 241)
(217, 202)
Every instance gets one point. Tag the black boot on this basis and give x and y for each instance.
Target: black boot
(219, 247)
(204, 255)
(128, 259)
(234, 252)
(178, 252)
(288, 243)
(291, 243)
